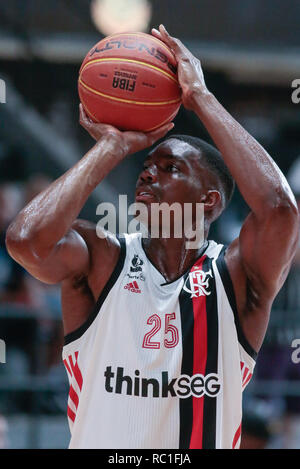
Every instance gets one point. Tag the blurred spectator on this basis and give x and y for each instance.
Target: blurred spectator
(55, 402)
(17, 287)
(30, 316)
(255, 433)
(258, 426)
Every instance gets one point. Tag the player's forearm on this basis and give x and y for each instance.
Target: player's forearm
(49, 216)
(259, 179)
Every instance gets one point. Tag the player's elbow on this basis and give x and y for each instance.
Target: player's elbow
(16, 244)
(285, 215)
(286, 209)
(281, 204)
(19, 245)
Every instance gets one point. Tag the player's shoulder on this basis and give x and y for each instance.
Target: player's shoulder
(92, 233)
(232, 259)
(102, 244)
(246, 290)
(104, 251)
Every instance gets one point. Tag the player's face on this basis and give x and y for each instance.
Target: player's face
(172, 173)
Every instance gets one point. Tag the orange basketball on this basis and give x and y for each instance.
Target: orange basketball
(129, 80)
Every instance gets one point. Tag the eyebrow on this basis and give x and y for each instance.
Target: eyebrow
(169, 157)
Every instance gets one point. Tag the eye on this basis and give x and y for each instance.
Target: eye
(171, 168)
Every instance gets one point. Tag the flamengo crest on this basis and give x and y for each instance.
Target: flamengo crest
(197, 283)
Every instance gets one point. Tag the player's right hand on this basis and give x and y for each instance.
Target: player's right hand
(190, 73)
(126, 142)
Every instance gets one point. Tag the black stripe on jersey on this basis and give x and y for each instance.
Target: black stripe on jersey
(210, 403)
(187, 328)
(228, 286)
(110, 283)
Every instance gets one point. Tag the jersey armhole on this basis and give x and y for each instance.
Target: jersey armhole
(77, 333)
(228, 287)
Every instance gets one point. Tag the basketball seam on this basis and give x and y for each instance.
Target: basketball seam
(146, 130)
(129, 101)
(157, 126)
(113, 59)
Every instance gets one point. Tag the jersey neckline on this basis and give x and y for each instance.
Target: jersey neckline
(165, 283)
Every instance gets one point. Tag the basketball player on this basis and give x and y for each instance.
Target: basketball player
(161, 340)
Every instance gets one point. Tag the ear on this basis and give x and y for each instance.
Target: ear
(213, 203)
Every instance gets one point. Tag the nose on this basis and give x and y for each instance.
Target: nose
(149, 174)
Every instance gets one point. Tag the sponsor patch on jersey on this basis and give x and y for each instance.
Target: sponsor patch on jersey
(197, 283)
(183, 386)
(136, 268)
(136, 264)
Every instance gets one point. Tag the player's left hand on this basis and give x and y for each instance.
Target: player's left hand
(127, 142)
(190, 73)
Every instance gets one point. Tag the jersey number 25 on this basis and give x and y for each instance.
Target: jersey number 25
(170, 330)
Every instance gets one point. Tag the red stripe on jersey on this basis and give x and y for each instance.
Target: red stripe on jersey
(76, 370)
(68, 368)
(74, 396)
(245, 373)
(247, 380)
(236, 436)
(199, 361)
(71, 414)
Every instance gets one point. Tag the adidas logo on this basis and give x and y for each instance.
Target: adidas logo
(133, 287)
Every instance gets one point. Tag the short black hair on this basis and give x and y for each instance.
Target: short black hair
(213, 160)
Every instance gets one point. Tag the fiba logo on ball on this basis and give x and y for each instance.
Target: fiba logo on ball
(124, 81)
(2, 91)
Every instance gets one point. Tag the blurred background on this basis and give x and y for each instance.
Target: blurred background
(250, 53)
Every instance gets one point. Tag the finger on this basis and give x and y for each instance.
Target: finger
(156, 33)
(81, 112)
(84, 119)
(174, 44)
(164, 33)
(164, 29)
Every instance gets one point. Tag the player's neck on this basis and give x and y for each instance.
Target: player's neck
(171, 256)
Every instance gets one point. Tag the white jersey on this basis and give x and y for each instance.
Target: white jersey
(159, 365)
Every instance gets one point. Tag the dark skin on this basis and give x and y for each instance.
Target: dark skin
(48, 240)
(175, 172)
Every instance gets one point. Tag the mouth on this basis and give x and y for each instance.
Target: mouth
(144, 195)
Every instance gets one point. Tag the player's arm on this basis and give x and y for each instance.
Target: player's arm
(260, 258)
(44, 237)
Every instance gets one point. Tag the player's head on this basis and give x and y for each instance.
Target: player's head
(211, 159)
(186, 169)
